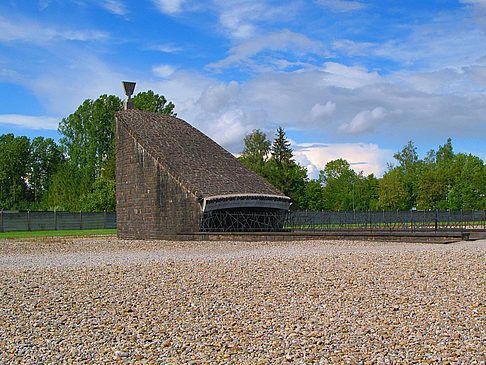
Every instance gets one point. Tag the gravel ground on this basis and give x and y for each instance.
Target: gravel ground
(99, 300)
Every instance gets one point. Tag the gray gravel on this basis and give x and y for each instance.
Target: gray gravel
(98, 300)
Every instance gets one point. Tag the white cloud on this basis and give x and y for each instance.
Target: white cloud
(242, 19)
(62, 92)
(461, 80)
(163, 71)
(169, 6)
(352, 48)
(320, 112)
(31, 122)
(115, 6)
(284, 40)
(365, 121)
(349, 77)
(444, 43)
(366, 157)
(166, 48)
(37, 33)
(219, 96)
(341, 5)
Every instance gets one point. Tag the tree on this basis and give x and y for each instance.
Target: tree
(69, 184)
(393, 192)
(102, 196)
(468, 190)
(88, 133)
(89, 143)
(281, 152)
(14, 170)
(152, 102)
(313, 196)
(45, 159)
(255, 153)
(282, 171)
(404, 177)
(339, 182)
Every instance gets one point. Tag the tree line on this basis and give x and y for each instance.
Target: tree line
(442, 180)
(78, 173)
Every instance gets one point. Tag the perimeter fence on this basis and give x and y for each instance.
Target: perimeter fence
(53, 221)
(410, 221)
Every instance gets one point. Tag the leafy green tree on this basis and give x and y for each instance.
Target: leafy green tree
(152, 102)
(339, 182)
(313, 196)
(15, 160)
(256, 150)
(89, 132)
(468, 189)
(393, 191)
(102, 196)
(69, 184)
(46, 157)
(368, 193)
(409, 167)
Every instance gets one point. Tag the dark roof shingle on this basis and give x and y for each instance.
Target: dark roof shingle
(198, 162)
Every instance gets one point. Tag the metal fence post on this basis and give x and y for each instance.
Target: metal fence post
(28, 220)
(55, 220)
(3, 228)
(80, 220)
(436, 219)
(104, 219)
(411, 220)
(369, 219)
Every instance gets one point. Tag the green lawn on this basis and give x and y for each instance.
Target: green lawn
(79, 232)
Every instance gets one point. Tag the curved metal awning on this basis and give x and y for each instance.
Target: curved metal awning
(232, 201)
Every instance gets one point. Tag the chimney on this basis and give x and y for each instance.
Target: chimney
(129, 87)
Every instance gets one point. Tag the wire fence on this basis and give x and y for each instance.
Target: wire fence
(53, 221)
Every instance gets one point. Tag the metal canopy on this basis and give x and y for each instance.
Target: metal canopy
(223, 202)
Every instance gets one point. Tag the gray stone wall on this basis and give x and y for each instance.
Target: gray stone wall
(151, 204)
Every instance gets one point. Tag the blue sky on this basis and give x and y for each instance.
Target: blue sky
(351, 79)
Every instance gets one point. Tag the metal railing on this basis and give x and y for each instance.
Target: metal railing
(225, 221)
(410, 221)
(42, 221)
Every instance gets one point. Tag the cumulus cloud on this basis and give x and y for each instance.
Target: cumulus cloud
(28, 121)
(219, 96)
(461, 80)
(366, 157)
(320, 112)
(349, 77)
(366, 121)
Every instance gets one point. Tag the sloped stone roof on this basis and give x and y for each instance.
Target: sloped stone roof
(195, 160)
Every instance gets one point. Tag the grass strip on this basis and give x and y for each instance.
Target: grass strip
(78, 232)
